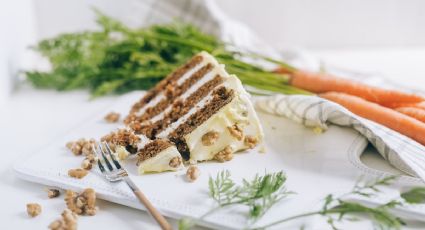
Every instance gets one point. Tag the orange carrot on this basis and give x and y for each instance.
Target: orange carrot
(416, 113)
(392, 119)
(420, 105)
(321, 83)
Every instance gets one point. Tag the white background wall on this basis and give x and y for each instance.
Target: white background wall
(311, 24)
(315, 24)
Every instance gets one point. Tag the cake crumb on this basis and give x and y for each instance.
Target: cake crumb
(175, 162)
(121, 152)
(112, 117)
(33, 209)
(192, 173)
(250, 141)
(210, 138)
(224, 155)
(68, 221)
(236, 132)
(77, 173)
(52, 193)
(81, 204)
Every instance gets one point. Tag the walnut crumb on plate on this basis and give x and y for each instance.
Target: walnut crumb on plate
(112, 117)
(68, 221)
(192, 173)
(77, 173)
(33, 209)
(83, 203)
(52, 193)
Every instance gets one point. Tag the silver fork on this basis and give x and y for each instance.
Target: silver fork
(114, 173)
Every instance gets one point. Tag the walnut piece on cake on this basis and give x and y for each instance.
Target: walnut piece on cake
(250, 141)
(77, 173)
(81, 204)
(33, 209)
(52, 193)
(236, 132)
(175, 162)
(192, 173)
(68, 221)
(210, 138)
(224, 155)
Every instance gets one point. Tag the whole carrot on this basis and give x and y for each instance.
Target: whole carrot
(321, 83)
(416, 113)
(399, 122)
(420, 105)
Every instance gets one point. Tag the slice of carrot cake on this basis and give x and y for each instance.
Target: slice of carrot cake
(200, 109)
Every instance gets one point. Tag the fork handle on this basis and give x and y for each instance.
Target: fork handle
(159, 218)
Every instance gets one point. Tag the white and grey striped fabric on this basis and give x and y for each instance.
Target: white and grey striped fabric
(402, 152)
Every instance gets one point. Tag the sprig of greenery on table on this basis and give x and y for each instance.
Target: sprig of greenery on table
(118, 59)
(336, 209)
(258, 194)
(262, 192)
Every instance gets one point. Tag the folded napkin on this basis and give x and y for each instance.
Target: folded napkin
(399, 150)
(402, 152)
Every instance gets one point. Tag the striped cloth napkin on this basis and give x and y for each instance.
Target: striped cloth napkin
(400, 151)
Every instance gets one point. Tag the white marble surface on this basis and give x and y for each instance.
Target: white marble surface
(31, 118)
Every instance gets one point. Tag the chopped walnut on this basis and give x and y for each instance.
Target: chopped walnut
(33, 209)
(210, 138)
(236, 132)
(224, 155)
(88, 162)
(82, 146)
(67, 222)
(112, 117)
(76, 149)
(175, 162)
(81, 204)
(251, 141)
(52, 193)
(77, 173)
(69, 145)
(192, 173)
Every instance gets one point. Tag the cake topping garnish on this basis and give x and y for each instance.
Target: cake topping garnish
(250, 141)
(175, 162)
(210, 138)
(236, 132)
(224, 155)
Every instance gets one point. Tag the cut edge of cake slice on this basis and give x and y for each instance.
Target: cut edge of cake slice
(153, 155)
(158, 156)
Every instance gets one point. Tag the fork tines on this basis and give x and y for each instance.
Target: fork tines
(104, 151)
